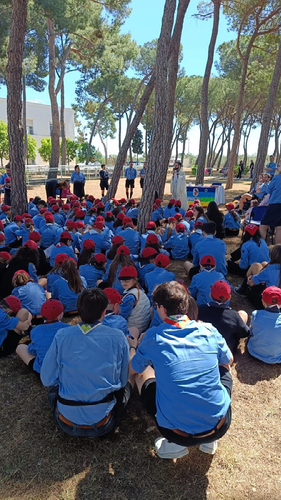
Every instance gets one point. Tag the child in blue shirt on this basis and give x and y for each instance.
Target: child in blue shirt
(178, 244)
(64, 246)
(145, 264)
(68, 286)
(112, 317)
(13, 321)
(32, 295)
(135, 306)
(231, 222)
(42, 335)
(159, 275)
(94, 270)
(262, 276)
(53, 275)
(196, 236)
(201, 283)
(265, 330)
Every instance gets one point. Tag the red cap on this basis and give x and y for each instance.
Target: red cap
(113, 296)
(65, 236)
(100, 204)
(171, 219)
(155, 206)
(61, 258)
(152, 239)
(172, 201)
(100, 218)
(100, 258)
(132, 201)
(91, 197)
(180, 228)
(14, 303)
(128, 272)
(129, 224)
(26, 216)
(49, 218)
(43, 210)
(31, 244)
(28, 220)
(197, 202)
(98, 225)
(220, 290)
(1, 226)
(71, 224)
(5, 255)
(117, 239)
(162, 260)
(79, 224)
(34, 236)
(20, 271)
(120, 216)
(80, 213)
(4, 208)
(178, 203)
(198, 224)
(76, 204)
(88, 244)
(189, 213)
(123, 250)
(158, 201)
(272, 295)
(178, 216)
(8, 179)
(208, 260)
(109, 213)
(251, 229)
(51, 309)
(191, 205)
(66, 206)
(126, 220)
(149, 252)
(123, 200)
(55, 208)
(97, 201)
(230, 206)
(17, 218)
(2, 237)
(151, 225)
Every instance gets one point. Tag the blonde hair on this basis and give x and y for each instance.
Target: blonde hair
(21, 279)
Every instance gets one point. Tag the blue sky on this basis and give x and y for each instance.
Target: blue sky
(144, 24)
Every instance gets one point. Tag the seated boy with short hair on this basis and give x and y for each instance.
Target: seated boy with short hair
(201, 283)
(86, 369)
(265, 330)
(231, 324)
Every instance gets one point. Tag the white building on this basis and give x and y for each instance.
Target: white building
(39, 122)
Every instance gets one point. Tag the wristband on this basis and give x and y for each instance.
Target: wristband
(132, 347)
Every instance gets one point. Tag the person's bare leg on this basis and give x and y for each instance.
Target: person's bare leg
(278, 235)
(134, 331)
(243, 315)
(42, 282)
(254, 269)
(263, 231)
(141, 378)
(131, 195)
(243, 199)
(22, 315)
(188, 266)
(22, 352)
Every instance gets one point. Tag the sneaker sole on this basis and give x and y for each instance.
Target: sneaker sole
(173, 455)
(240, 294)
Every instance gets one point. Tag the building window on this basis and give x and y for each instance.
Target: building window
(51, 129)
(30, 130)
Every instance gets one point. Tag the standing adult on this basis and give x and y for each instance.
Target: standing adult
(104, 177)
(178, 185)
(271, 166)
(142, 174)
(252, 166)
(240, 170)
(272, 216)
(130, 175)
(78, 180)
(52, 185)
(5, 175)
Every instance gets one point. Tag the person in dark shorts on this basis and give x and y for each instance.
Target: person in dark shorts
(130, 175)
(187, 392)
(52, 185)
(78, 180)
(88, 405)
(272, 216)
(142, 174)
(104, 177)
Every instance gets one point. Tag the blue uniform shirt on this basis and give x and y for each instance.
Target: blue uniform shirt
(271, 168)
(201, 283)
(23, 233)
(143, 268)
(132, 240)
(265, 340)
(87, 367)
(211, 246)
(51, 278)
(130, 173)
(194, 238)
(178, 245)
(251, 252)
(98, 238)
(274, 189)
(91, 274)
(48, 235)
(269, 275)
(156, 277)
(116, 321)
(145, 235)
(32, 297)
(6, 323)
(189, 394)
(62, 292)
(41, 338)
(230, 223)
(77, 177)
(10, 232)
(61, 248)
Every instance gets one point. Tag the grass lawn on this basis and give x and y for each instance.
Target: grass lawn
(39, 462)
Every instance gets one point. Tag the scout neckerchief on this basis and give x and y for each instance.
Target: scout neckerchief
(178, 320)
(85, 328)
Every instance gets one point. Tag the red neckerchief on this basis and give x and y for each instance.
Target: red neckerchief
(179, 324)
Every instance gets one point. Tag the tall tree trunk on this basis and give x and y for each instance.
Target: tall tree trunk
(131, 153)
(94, 128)
(267, 117)
(103, 145)
(145, 143)
(119, 131)
(25, 135)
(238, 114)
(183, 145)
(166, 70)
(14, 105)
(62, 127)
(55, 135)
(121, 158)
(204, 96)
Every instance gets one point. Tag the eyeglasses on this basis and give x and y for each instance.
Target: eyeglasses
(155, 305)
(125, 279)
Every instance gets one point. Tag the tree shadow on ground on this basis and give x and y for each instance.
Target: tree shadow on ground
(250, 371)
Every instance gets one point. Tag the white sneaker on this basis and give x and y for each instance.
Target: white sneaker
(209, 448)
(166, 449)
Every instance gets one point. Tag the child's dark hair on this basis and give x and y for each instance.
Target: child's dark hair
(174, 297)
(70, 273)
(112, 252)
(234, 215)
(91, 303)
(119, 260)
(275, 258)
(97, 265)
(26, 254)
(256, 237)
(156, 246)
(200, 212)
(85, 256)
(209, 227)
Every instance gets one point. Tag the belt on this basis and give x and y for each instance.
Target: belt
(198, 436)
(99, 424)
